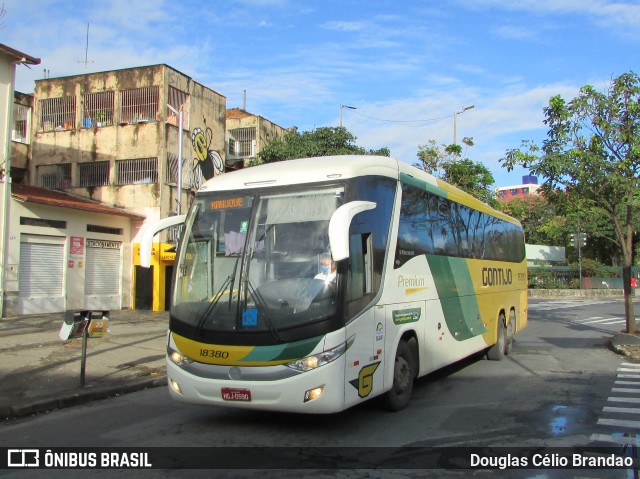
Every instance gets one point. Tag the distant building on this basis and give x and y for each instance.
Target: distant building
(529, 186)
(109, 143)
(21, 136)
(9, 61)
(246, 135)
(94, 158)
(67, 252)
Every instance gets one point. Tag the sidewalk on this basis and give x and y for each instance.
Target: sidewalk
(40, 372)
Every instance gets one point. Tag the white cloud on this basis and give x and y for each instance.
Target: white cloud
(345, 26)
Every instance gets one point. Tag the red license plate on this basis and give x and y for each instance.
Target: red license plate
(230, 394)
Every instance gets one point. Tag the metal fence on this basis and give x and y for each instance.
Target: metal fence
(566, 277)
(139, 105)
(137, 171)
(57, 113)
(54, 176)
(94, 174)
(98, 109)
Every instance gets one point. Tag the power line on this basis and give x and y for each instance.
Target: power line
(429, 121)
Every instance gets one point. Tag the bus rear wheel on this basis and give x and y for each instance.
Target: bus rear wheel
(497, 351)
(403, 375)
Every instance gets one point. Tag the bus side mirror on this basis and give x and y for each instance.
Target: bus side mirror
(146, 241)
(339, 227)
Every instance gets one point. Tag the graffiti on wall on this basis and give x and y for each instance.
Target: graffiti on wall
(207, 161)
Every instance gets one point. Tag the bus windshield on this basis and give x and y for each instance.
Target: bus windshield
(256, 263)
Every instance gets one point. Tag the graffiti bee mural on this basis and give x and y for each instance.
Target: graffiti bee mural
(207, 160)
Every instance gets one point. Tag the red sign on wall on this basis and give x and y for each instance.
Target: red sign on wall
(76, 246)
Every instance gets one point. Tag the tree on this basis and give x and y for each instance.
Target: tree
(324, 141)
(592, 153)
(442, 161)
(541, 220)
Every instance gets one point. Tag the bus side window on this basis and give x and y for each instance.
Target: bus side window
(359, 282)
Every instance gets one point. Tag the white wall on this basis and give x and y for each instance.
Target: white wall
(73, 278)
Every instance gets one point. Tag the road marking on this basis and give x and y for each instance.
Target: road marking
(553, 305)
(556, 305)
(619, 423)
(615, 439)
(621, 412)
(600, 320)
(625, 390)
(624, 410)
(627, 400)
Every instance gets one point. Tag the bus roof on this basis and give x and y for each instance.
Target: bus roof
(304, 170)
(320, 169)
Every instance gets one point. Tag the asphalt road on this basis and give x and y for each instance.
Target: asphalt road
(562, 386)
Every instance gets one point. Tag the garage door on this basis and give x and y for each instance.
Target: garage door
(103, 268)
(41, 266)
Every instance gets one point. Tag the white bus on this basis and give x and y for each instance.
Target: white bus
(425, 275)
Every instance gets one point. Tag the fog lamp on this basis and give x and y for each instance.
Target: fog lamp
(175, 386)
(314, 393)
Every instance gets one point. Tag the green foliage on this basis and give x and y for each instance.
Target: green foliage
(324, 141)
(592, 154)
(594, 268)
(543, 222)
(443, 162)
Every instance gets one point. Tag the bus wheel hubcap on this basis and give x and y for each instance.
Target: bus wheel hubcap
(402, 374)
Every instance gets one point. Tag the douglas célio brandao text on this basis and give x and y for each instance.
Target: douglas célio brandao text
(546, 460)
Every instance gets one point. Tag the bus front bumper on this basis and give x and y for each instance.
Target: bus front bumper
(291, 394)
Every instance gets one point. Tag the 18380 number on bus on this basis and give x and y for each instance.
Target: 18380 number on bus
(214, 353)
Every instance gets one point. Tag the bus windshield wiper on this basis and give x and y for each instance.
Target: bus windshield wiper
(265, 310)
(216, 298)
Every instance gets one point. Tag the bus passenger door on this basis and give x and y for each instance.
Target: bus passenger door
(364, 358)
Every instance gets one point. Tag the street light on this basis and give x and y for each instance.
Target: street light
(345, 106)
(454, 120)
(179, 113)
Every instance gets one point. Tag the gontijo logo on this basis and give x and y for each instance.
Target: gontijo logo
(497, 276)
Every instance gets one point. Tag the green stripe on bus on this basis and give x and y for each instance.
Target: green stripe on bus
(457, 296)
(298, 349)
(423, 185)
(264, 353)
(282, 352)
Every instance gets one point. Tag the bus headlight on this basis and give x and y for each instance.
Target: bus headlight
(325, 357)
(178, 358)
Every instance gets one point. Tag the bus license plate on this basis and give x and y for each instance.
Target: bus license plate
(229, 394)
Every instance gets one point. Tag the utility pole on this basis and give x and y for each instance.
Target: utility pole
(455, 115)
(179, 194)
(345, 106)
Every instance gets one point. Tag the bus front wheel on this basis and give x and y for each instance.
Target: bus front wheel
(497, 351)
(403, 375)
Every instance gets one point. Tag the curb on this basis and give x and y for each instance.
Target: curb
(623, 350)
(626, 345)
(81, 397)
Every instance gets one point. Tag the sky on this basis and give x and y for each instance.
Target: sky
(405, 66)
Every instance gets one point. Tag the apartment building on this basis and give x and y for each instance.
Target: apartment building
(100, 155)
(246, 135)
(529, 186)
(10, 59)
